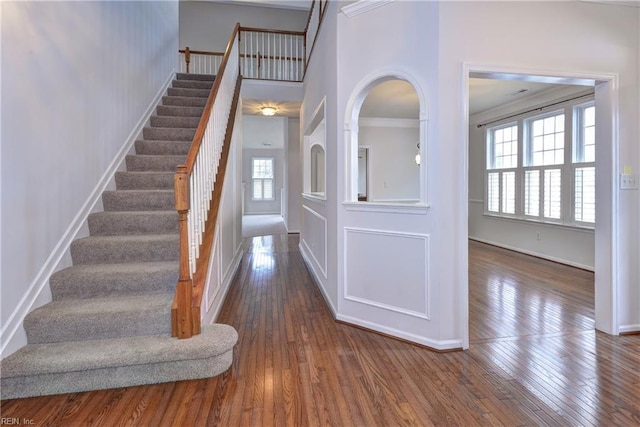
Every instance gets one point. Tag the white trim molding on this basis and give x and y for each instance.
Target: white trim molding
(323, 266)
(425, 238)
(363, 6)
(388, 123)
(441, 345)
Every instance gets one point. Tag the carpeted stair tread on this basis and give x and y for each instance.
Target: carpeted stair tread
(155, 163)
(138, 200)
(144, 180)
(122, 249)
(110, 280)
(175, 122)
(99, 318)
(171, 134)
(178, 111)
(184, 101)
(133, 223)
(190, 76)
(192, 84)
(162, 147)
(44, 369)
(187, 92)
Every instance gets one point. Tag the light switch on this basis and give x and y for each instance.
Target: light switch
(628, 181)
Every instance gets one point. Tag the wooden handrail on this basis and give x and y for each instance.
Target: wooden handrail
(266, 30)
(200, 52)
(204, 120)
(185, 311)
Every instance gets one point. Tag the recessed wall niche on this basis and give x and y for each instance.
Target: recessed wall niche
(314, 156)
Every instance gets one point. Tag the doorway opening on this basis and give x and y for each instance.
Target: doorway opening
(516, 218)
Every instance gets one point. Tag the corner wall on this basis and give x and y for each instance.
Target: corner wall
(78, 77)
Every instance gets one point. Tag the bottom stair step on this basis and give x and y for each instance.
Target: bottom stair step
(99, 318)
(45, 369)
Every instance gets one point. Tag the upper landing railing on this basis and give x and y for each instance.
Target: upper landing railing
(264, 54)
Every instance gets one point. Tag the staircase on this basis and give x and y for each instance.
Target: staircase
(109, 324)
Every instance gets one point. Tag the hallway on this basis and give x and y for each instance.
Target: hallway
(294, 365)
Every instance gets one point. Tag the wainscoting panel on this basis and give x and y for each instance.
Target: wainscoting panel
(387, 270)
(315, 237)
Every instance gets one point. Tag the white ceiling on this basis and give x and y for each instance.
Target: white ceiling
(393, 99)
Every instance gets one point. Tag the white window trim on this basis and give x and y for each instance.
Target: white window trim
(273, 180)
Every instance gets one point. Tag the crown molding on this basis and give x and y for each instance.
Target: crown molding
(363, 6)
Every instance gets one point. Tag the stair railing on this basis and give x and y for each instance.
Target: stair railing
(272, 54)
(195, 183)
(199, 61)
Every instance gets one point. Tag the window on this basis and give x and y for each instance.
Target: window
(584, 171)
(503, 159)
(554, 179)
(262, 178)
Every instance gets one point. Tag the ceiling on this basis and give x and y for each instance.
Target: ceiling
(284, 108)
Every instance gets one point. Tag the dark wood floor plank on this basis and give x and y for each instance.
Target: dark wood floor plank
(535, 359)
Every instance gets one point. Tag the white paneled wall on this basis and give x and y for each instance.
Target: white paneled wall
(398, 280)
(78, 78)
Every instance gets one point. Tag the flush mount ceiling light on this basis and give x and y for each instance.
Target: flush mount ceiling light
(268, 111)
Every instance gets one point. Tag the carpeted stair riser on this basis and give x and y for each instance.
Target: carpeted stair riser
(168, 134)
(156, 163)
(45, 369)
(176, 111)
(175, 122)
(99, 318)
(122, 249)
(199, 77)
(195, 93)
(142, 180)
(192, 84)
(183, 101)
(111, 280)
(163, 147)
(133, 223)
(138, 200)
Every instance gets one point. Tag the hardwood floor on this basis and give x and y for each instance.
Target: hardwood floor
(534, 360)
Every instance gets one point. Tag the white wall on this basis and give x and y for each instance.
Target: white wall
(318, 231)
(263, 206)
(78, 77)
(430, 42)
(395, 176)
(207, 25)
(294, 176)
(578, 37)
(412, 242)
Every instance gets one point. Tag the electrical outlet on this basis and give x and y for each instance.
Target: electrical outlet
(628, 181)
(538, 236)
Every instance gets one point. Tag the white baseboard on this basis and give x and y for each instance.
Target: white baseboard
(535, 254)
(12, 335)
(625, 329)
(316, 279)
(434, 344)
(226, 284)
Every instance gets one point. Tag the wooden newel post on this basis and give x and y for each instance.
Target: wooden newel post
(187, 57)
(182, 316)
